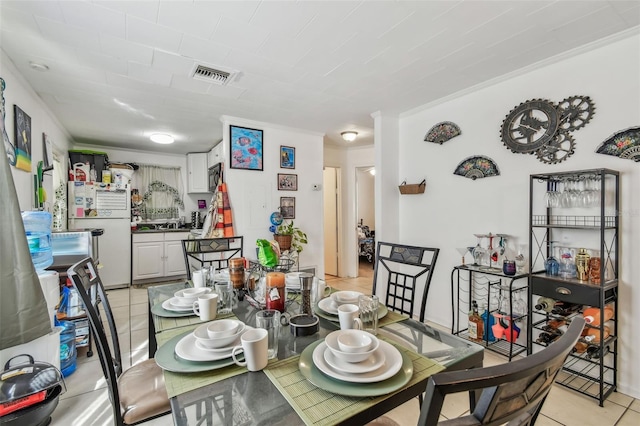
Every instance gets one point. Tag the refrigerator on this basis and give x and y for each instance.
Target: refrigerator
(108, 207)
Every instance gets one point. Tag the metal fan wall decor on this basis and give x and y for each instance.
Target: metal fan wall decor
(442, 132)
(623, 144)
(540, 127)
(477, 167)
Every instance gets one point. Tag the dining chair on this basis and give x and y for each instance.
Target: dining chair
(137, 394)
(512, 393)
(210, 251)
(402, 276)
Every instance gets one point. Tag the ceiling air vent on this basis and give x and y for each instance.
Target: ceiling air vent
(213, 75)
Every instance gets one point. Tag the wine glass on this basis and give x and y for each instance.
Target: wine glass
(478, 251)
(463, 251)
(551, 265)
(520, 258)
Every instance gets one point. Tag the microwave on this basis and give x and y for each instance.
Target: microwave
(215, 174)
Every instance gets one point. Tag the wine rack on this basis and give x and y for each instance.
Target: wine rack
(480, 283)
(592, 368)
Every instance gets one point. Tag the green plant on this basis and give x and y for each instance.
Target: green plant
(298, 237)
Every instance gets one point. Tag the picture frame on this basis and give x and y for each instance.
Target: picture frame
(22, 139)
(287, 157)
(246, 148)
(288, 207)
(287, 182)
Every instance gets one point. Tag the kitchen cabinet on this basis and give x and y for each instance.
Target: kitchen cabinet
(197, 169)
(158, 255)
(216, 155)
(573, 212)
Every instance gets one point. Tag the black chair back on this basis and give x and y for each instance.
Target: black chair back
(403, 273)
(512, 393)
(210, 251)
(86, 281)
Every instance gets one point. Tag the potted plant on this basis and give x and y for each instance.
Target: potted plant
(290, 237)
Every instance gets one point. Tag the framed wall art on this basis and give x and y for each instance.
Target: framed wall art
(287, 182)
(287, 157)
(246, 148)
(47, 152)
(22, 139)
(288, 207)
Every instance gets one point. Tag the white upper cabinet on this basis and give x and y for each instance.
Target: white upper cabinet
(197, 166)
(216, 155)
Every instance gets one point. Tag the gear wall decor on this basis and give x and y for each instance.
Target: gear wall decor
(540, 127)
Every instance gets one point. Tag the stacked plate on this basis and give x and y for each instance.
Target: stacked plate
(357, 357)
(327, 308)
(182, 301)
(208, 347)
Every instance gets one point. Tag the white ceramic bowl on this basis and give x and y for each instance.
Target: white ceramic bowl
(344, 297)
(332, 343)
(201, 334)
(354, 342)
(189, 295)
(222, 328)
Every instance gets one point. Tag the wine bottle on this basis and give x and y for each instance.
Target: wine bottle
(545, 304)
(487, 323)
(476, 326)
(597, 352)
(548, 337)
(592, 315)
(580, 348)
(565, 308)
(592, 335)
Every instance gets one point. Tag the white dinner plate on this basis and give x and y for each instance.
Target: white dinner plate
(187, 349)
(374, 362)
(328, 305)
(392, 364)
(171, 307)
(352, 297)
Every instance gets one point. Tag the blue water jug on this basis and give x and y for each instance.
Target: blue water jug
(37, 226)
(68, 353)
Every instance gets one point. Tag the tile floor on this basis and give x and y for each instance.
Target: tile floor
(86, 401)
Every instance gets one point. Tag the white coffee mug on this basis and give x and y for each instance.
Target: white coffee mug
(206, 307)
(348, 314)
(255, 345)
(198, 279)
(319, 290)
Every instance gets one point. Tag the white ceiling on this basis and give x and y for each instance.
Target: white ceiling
(120, 70)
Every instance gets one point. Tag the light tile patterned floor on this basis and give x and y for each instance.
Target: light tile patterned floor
(86, 401)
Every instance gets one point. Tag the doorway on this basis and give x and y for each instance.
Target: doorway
(365, 219)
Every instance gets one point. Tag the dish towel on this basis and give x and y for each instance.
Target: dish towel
(222, 218)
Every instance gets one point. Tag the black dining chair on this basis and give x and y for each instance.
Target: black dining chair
(137, 394)
(402, 277)
(512, 393)
(201, 252)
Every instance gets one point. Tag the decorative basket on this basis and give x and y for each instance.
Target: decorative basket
(413, 188)
(284, 241)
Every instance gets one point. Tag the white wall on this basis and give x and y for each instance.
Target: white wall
(254, 195)
(453, 208)
(18, 92)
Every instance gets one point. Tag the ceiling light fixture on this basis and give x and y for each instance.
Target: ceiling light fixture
(349, 136)
(161, 138)
(38, 66)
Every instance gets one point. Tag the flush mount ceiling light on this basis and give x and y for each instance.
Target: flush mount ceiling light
(38, 66)
(161, 138)
(349, 136)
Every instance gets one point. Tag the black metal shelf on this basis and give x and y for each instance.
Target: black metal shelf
(499, 346)
(594, 377)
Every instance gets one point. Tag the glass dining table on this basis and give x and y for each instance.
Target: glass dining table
(252, 398)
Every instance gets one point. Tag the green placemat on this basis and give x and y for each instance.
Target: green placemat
(319, 407)
(179, 383)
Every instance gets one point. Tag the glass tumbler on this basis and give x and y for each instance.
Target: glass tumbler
(269, 319)
(368, 305)
(225, 298)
